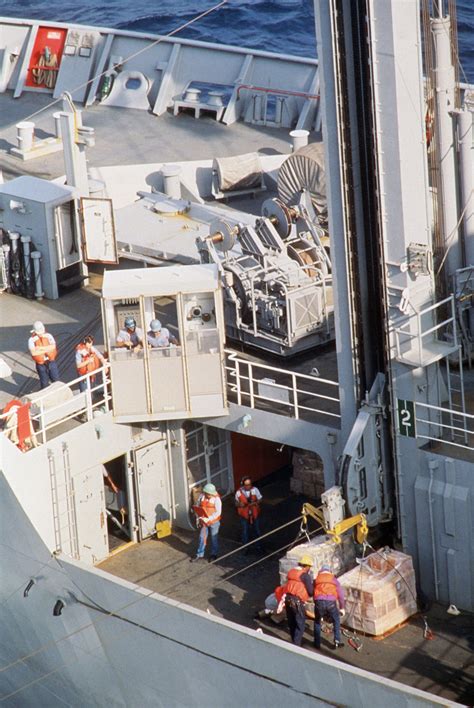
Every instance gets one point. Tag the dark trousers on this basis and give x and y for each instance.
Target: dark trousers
(327, 609)
(47, 372)
(249, 530)
(296, 615)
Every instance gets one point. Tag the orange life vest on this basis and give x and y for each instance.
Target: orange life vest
(43, 342)
(279, 592)
(246, 511)
(209, 506)
(295, 586)
(325, 585)
(91, 361)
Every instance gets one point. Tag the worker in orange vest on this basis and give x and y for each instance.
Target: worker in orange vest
(208, 510)
(328, 594)
(42, 347)
(247, 502)
(298, 590)
(88, 359)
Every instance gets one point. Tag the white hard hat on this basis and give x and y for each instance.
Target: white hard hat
(155, 325)
(38, 327)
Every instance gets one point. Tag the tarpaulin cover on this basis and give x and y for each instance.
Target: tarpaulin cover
(304, 169)
(239, 172)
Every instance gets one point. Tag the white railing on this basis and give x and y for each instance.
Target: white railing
(410, 333)
(299, 396)
(81, 405)
(444, 425)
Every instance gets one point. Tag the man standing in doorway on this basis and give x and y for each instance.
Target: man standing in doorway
(208, 510)
(247, 502)
(42, 347)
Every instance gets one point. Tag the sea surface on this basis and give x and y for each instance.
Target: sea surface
(274, 25)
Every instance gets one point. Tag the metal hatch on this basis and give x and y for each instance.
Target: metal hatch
(152, 490)
(98, 231)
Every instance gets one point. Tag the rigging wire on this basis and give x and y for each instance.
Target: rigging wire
(461, 217)
(133, 602)
(160, 39)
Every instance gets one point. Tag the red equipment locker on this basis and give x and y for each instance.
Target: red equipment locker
(45, 58)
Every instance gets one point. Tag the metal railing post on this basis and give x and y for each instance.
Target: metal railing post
(252, 400)
(295, 396)
(237, 375)
(43, 427)
(89, 398)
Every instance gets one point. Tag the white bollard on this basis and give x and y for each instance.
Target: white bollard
(57, 124)
(36, 257)
(25, 135)
(14, 236)
(299, 139)
(171, 181)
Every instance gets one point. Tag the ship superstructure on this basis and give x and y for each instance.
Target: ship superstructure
(334, 254)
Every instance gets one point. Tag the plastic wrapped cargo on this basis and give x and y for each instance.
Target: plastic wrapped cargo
(323, 551)
(380, 592)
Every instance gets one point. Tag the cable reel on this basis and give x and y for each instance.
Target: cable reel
(279, 215)
(222, 235)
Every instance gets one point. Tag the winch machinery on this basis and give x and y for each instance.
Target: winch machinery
(276, 277)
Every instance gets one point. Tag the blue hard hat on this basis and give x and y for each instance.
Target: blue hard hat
(326, 567)
(155, 325)
(130, 322)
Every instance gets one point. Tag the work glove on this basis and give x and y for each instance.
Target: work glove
(342, 612)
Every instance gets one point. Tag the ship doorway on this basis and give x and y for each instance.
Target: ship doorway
(208, 458)
(117, 506)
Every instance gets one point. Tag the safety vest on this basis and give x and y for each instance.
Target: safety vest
(325, 585)
(209, 506)
(295, 586)
(43, 342)
(248, 512)
(91, 361)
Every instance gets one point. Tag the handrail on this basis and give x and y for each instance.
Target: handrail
(86, 409)
(244, 384)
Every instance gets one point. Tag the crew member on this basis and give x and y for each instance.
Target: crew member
(158, 336)
(274, 605)
(298, 590)
(43, 349)
(247, 502)
(130, 336)
(88, 359)
(209, 510)
(327, 594)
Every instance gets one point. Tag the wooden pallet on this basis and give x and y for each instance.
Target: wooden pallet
(384, 635)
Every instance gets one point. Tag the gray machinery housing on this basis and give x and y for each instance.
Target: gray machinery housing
(276, 277)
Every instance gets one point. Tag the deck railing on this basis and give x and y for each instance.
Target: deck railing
(295, 395)
(82, 405)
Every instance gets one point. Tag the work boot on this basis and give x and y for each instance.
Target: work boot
(338, 645)
(212, 558)
(196, 558)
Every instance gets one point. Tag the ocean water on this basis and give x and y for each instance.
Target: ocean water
(275, 25)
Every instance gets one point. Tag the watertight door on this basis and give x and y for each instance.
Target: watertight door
(98, 231)
(153, 497)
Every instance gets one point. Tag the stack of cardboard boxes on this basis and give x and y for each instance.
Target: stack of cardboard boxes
(380, 593)
(308, 474)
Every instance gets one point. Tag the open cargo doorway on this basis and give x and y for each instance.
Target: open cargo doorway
(117, 503)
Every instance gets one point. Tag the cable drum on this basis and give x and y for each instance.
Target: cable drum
(304, 169)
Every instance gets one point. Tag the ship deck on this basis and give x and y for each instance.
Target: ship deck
(236, 586)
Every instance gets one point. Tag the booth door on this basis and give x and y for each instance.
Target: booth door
(127, 370)
(167, 379)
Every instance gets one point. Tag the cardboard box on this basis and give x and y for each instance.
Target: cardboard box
(380, 592)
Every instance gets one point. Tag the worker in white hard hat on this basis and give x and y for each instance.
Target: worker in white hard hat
(43, 349)
(208, 511)
(158, 336)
